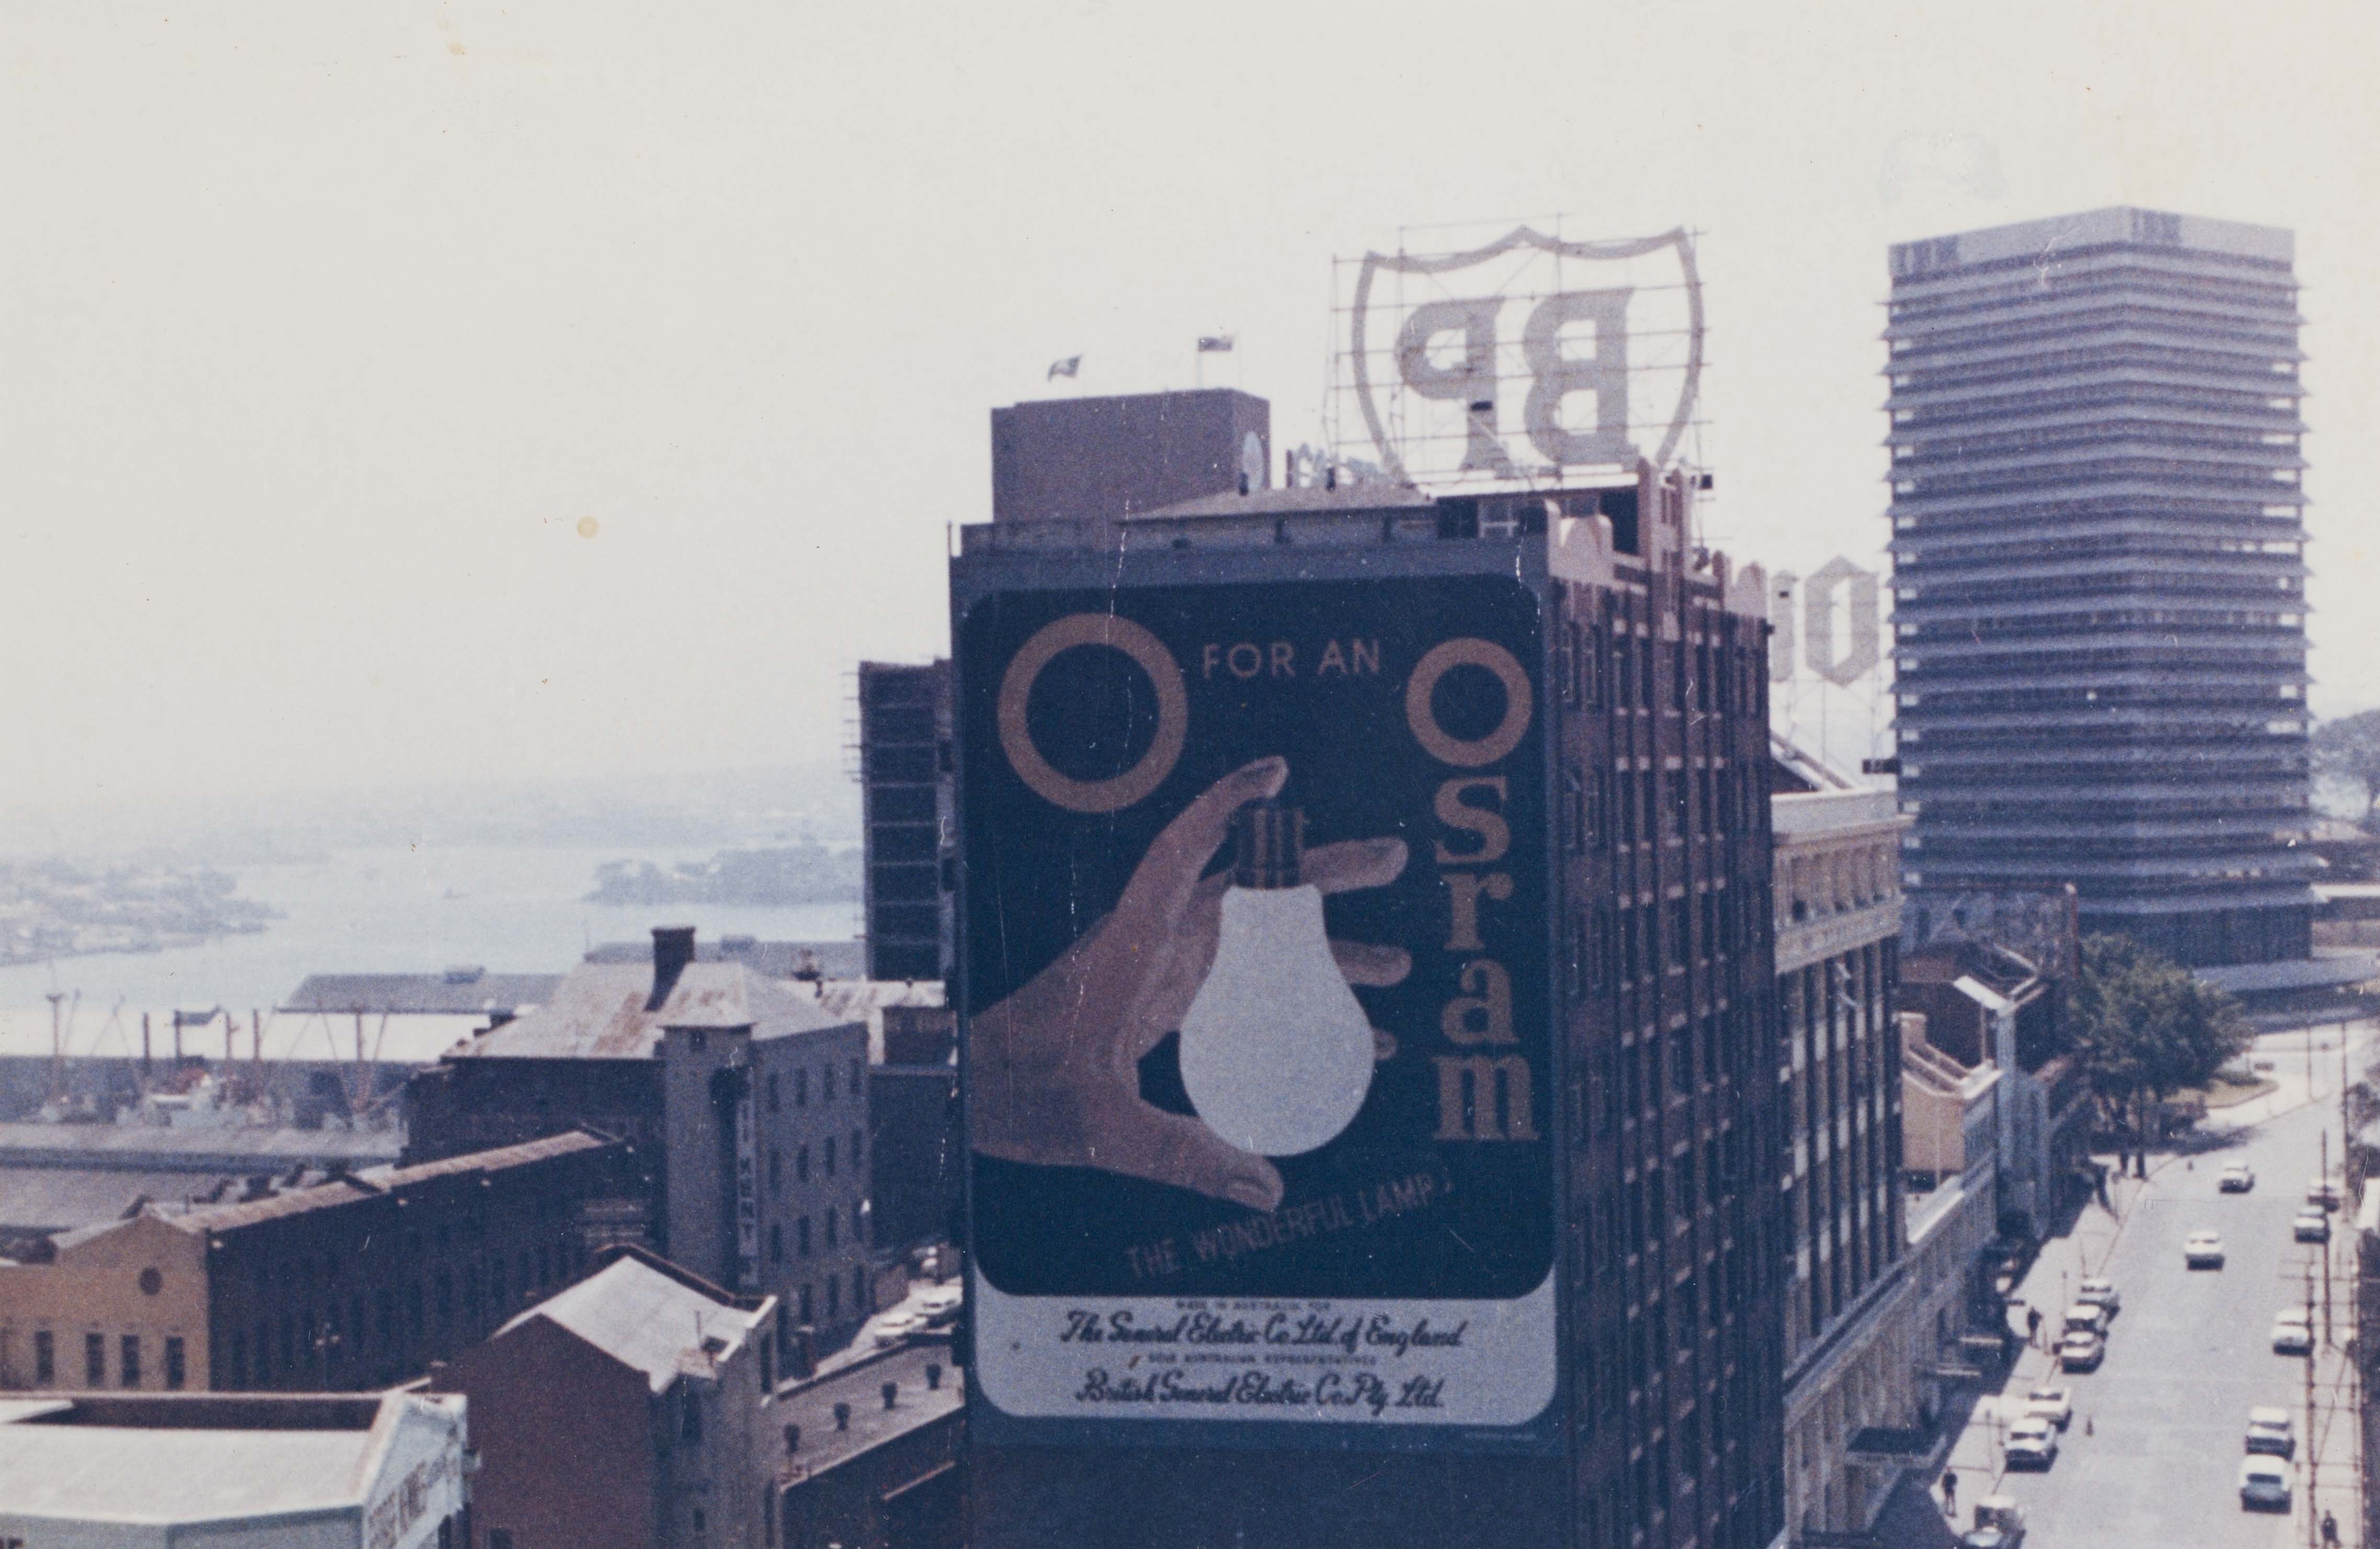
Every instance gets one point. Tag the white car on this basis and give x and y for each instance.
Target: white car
(2080, 1352)
(2291, 1333)
(894, 1330)
(2203, 1250)
(2055, 1405)
(2310, 1226)
(938, 1307)
(2032, 1443)
(2322, 1192)
(2268, 1432)
(2263, 1485)
(2237, 1177)
(2100, 1293)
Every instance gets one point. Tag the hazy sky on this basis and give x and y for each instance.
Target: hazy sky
(326, 330)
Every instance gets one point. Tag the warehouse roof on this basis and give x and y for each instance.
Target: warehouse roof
(455, 991)
(656, 1318)
(373, 1181)
(603, 1011)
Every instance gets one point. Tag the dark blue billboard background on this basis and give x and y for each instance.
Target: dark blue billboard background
(1091, 1174)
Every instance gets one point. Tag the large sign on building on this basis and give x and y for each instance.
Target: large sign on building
(1259, 1061)
(1520, 361)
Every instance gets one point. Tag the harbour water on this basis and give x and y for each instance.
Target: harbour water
(411, 909)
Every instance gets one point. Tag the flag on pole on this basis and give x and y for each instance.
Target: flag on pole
(1216, 344)
(1071, 366)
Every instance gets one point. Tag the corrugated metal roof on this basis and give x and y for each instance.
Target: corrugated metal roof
(642, 1317)
(435, 993)
(374, 1181)
(600, 1012)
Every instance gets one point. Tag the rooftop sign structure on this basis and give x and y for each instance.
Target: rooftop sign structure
(1527, 360)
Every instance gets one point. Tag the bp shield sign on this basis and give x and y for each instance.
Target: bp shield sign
(1258, 1058)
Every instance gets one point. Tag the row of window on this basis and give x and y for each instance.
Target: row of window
(1632, 808)
(807, 1300)
(833, 1232)
(131, 1360)
(1613, 658)
(854, 1078)
(802, 1160)
(394, 1319)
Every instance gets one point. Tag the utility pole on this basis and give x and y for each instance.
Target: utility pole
(2326, 1238)
(2313, 1463)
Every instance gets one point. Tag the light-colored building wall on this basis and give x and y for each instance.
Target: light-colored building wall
(137, 1288)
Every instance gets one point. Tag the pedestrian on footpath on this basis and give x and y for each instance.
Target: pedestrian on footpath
(1950, 1495)
(2329, 1527)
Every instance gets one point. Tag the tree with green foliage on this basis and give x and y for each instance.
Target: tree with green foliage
(2348, 748)
(2145, 1027)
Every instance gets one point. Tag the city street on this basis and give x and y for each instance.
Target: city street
(2154, 1452)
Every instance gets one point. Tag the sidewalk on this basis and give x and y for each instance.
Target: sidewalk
(2062, 1263)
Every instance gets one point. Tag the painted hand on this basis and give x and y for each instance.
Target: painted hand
(1055, 1068)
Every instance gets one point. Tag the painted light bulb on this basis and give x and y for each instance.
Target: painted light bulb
(1276, 1050)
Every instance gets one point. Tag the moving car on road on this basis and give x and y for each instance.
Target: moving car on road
(2055, 1405)
(2269, 1433)
(2324, 1192)
(2032, 1443)
(2263, 1485)
(2203, 1250)
(894, 1330)
(2291, 1333)
(2097, 1292)
(2310, 1226)
(1999, 1524)
(2083, 1318)
(2237, 1177)
(2080, 1351)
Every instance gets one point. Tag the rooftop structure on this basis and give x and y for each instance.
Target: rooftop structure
(1062, 459)
(2099, 543)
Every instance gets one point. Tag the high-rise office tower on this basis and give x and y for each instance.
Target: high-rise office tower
(904, 788)
(2098, 546)
(1370, 1030)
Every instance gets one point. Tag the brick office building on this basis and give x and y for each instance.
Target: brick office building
(354, 1283)
(1657, 1104)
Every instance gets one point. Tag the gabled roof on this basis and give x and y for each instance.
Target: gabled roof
(600, 1012)
(646, 1318)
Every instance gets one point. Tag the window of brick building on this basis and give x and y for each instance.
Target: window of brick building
(95, 1359)
(128, 1367)
(178, 1369)
(45, 1359)
(829, 1155)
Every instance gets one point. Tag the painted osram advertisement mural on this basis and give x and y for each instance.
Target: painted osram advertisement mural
(1259, 1075)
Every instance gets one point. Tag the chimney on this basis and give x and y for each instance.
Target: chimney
(891, 1391)
(793, 1438)
(842, 1417)
(673, 950)
(933, 1376)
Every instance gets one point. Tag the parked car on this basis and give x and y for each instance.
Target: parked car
(1999, 1524)
(2055, 1405)
(2322, 1192)
(2203, 1250)
(2100, 1293)
(2263, 1485)
(938, 1307)
(892, 1331)
(2080, 1351)
(2084, 1318)
(2269, 1432)
(2310, 1226)
(2291, 1335)
(2237, 1177)
(2032, 1443)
